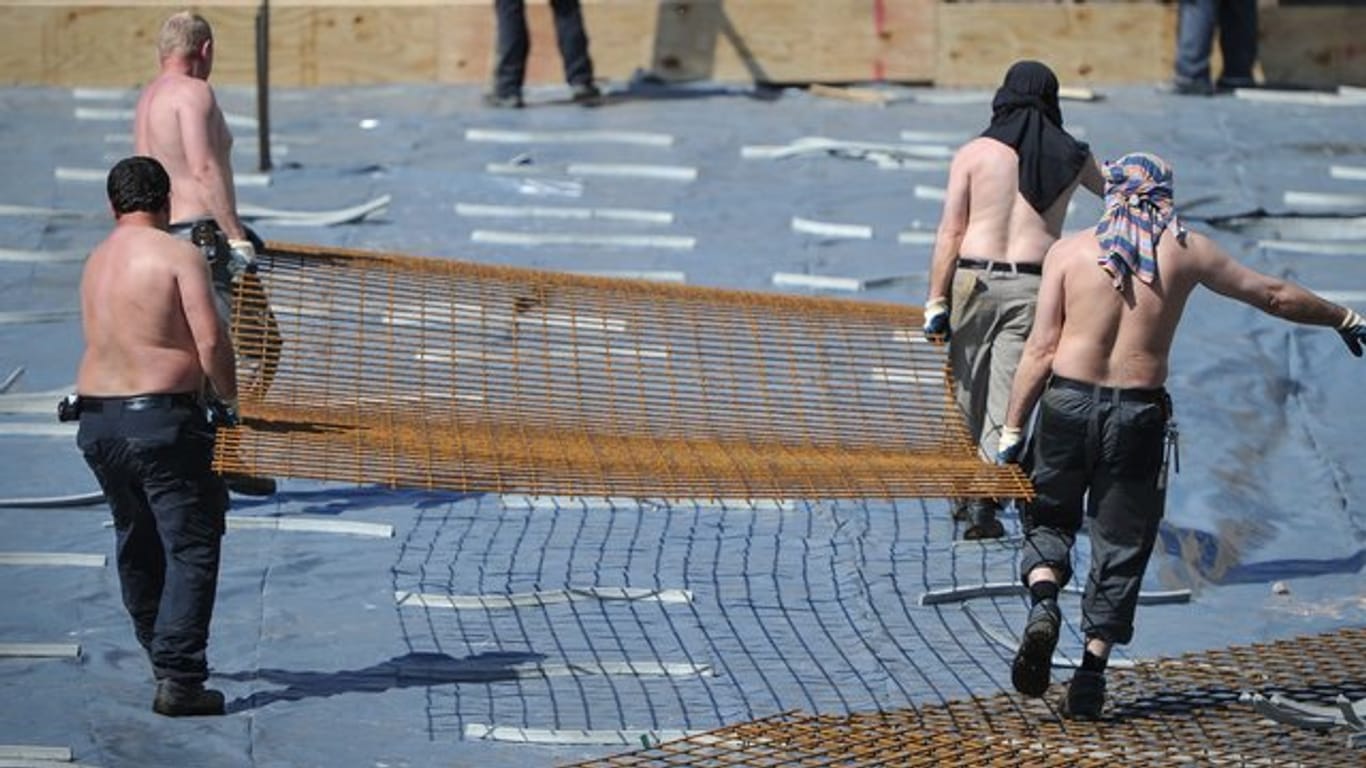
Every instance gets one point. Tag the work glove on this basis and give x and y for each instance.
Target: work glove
(1353, 331)
(223, 412)
(937, 319)
(242, 258)
(1009, 447)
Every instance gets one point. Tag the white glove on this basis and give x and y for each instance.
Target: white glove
(243, 257)
(1008, 447)
(937, 319)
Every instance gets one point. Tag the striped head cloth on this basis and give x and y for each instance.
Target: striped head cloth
(1138, 208)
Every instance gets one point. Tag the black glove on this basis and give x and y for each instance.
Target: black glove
(1353, 331)
(223, 413)
(937, 320)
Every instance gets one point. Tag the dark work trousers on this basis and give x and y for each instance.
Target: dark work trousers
(1106, 446)
(1236, 21)
(514, 45)
(154, 465)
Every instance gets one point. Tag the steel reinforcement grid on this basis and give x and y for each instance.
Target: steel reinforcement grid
(406, 371)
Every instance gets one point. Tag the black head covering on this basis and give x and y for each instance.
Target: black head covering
(1025, 115)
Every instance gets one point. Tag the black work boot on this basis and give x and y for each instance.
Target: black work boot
(176, 699)
(250, 485)
(1034, 661)
(585, 94)
(1085, 696)
(982, 520)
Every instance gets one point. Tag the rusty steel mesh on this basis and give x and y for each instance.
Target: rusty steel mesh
(1181, 711)
(404, 371)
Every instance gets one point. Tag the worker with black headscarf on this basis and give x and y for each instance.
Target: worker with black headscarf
(1006, 199)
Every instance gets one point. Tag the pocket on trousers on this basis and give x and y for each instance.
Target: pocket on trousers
(1135, 440)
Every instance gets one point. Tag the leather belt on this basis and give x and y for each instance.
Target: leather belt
(1098, 392)
(140, 402)
(1001, 266)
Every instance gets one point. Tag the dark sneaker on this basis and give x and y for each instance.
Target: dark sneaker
(1034, 661)
(175, 699)
(510, 101)
(1231, 84)
(960, 509)
(1085, 696)
(586, 94)
(1188, 88)
(982, 520)
(248, 485)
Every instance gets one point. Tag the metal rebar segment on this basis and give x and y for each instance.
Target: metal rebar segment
(391, 369)
(1183, 711)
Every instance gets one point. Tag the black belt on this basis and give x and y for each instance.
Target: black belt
(1098, 392)
(140, 402)
(1001, 266)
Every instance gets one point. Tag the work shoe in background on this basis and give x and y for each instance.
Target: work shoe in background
(586, 94)
(175, 699)
(983, 520)
(510, 101)
(250, 485)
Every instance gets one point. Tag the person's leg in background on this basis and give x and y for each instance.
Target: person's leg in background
(1237, 43)
(514, 45)
(573, 42)
(1194, 42)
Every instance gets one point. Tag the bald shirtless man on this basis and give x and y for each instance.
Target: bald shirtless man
(1108, 311)
(1007, 196)
(178, 122)
(153, 341)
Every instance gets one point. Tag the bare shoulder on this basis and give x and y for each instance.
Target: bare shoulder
(1082, 242)
(983, 147)
(187, 92)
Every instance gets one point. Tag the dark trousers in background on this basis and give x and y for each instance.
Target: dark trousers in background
(154, 466)
(1236, 21)
(514, 45)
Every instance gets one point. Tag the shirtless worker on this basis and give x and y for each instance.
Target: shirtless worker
(178, 122)
(1007, 196)
(1096, 362)
(152, 341)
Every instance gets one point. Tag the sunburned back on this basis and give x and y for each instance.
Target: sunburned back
(138, 339)
(174, 111)
(1002, 225)
(1122, 338)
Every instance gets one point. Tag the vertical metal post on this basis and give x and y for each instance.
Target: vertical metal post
(263, 84)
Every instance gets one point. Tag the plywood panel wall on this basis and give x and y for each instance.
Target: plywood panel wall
(352, 42)
(1084, 44)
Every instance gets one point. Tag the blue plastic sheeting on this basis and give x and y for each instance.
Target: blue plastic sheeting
(805, 604)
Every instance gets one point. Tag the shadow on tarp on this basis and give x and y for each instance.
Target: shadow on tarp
(1219, 562)
(342, 499)
(411, 670)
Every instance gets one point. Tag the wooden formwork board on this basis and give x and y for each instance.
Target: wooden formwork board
(349, 42)
(1316, 46)
(1085, 44)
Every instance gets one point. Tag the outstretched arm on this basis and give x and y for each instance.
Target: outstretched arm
(1226, 276)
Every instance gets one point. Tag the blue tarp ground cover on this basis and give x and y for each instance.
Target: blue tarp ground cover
(805, 604)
